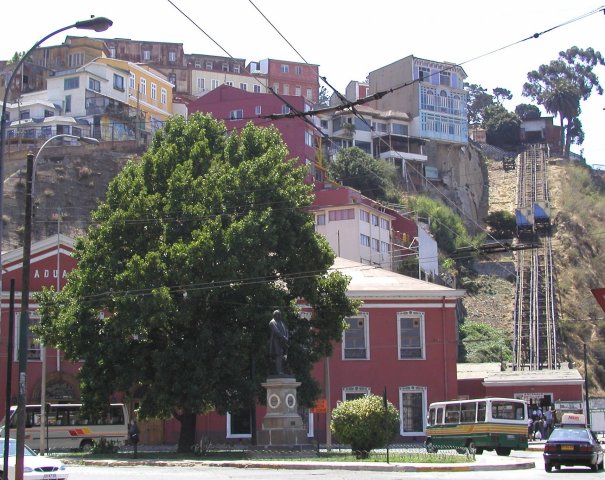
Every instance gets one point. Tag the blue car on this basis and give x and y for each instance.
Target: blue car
(573, 445)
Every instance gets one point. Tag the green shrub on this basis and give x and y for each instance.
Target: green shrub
(105, 446)
(364, 424)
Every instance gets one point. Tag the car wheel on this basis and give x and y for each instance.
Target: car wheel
(594, 467)
(503, 452)
(557, 467)
(548, 467)
(86, 445)
(602, 464)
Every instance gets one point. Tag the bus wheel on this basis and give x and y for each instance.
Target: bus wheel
(503, 452)
(478, 450)
(430, 448)
(86, 445)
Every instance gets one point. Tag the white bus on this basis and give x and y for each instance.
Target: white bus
(481, 424)
(67, 427)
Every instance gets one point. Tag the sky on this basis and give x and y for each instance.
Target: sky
(347, 38)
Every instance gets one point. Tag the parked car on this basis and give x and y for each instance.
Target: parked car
(35, 467)
(570, 445)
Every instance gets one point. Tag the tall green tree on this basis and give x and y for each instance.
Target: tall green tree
(478, 100)
(501, 126)
(190, 253)
(501, 94)
(527, 111)
(355, 168)
(562, 84)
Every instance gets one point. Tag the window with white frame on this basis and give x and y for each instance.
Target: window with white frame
(445, 78)
(410, 335)
(71, 83)
(201, 84)
(236, 68)
(364, 240)
(384, 224)
(309, 95)
(258, 110)
(143, 86)
(364, 216)
(375, 220)
(375, 244)
(94, 85)
(214, 84)
(298, 70)
(412, 410)
(355, 338)
(172, 57)
(239, 424)
(309, 138)
(424, 74)
(146, 55)
(243, 86)
(229, 83)
(285, 68)
(256, 88)
(236, 114)
(297, 91)
(172, 78)
(208, 65)
(286, 89)
(75, 59)
(112, 52)
(154, 91)
(118, 82)
(385, 247)
(320, 219)
(342, 214)
(132, 81)
(198, 64)
(353, 393)
(285, 109)
(163, 96)
(276, 87)
(33, 342)
(225, 67)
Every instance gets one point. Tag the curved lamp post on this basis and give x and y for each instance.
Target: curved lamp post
(25, 293)
(24, 317)
(98, 24)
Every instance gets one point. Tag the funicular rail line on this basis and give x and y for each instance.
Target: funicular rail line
(535, 316)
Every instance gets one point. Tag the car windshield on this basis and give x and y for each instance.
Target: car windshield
(570, 435)
(12, 449)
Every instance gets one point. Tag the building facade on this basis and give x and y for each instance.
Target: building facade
(432, 92)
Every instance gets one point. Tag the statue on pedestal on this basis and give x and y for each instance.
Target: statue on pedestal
(278, 346)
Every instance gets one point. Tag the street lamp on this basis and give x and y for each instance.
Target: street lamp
(90, 141)
(24, 317)
(98, 24)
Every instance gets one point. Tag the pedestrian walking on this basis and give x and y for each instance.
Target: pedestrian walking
(133, 436)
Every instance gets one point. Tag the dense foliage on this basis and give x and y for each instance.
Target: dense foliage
(364, 424)
(501, 127)
(484, 343)
(502, 224)
(190, 252)
(354, 168)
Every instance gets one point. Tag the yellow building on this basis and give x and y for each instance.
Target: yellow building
(149, 93)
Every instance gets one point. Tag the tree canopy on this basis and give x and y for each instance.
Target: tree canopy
(501, 126)
(527, 111)
(191, 251)
(355, 168)
(562, 84)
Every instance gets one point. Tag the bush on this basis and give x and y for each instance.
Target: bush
(104, 446)
(363, 424)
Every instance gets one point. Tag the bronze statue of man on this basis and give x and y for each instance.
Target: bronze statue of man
(278, 346)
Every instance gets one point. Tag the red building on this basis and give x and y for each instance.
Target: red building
(238, 107)
(289, 78)
(51, 261)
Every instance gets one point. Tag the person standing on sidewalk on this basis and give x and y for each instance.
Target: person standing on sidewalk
(133, 435)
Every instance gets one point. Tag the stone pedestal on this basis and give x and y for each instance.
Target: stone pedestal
(282, 425)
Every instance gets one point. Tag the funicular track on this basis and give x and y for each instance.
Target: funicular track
(535, 316)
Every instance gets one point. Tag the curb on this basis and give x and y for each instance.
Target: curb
(375, 467)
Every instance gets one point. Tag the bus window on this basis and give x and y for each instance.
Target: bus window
(452, 413)
(481, 411)
(520, 412)
(468, 412)
(503, 410)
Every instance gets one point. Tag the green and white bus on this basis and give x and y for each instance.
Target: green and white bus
(498, 424)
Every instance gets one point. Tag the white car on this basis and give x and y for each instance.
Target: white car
(35, 467)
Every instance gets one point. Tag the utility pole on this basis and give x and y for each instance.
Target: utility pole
(586, 387)
(24, 320)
